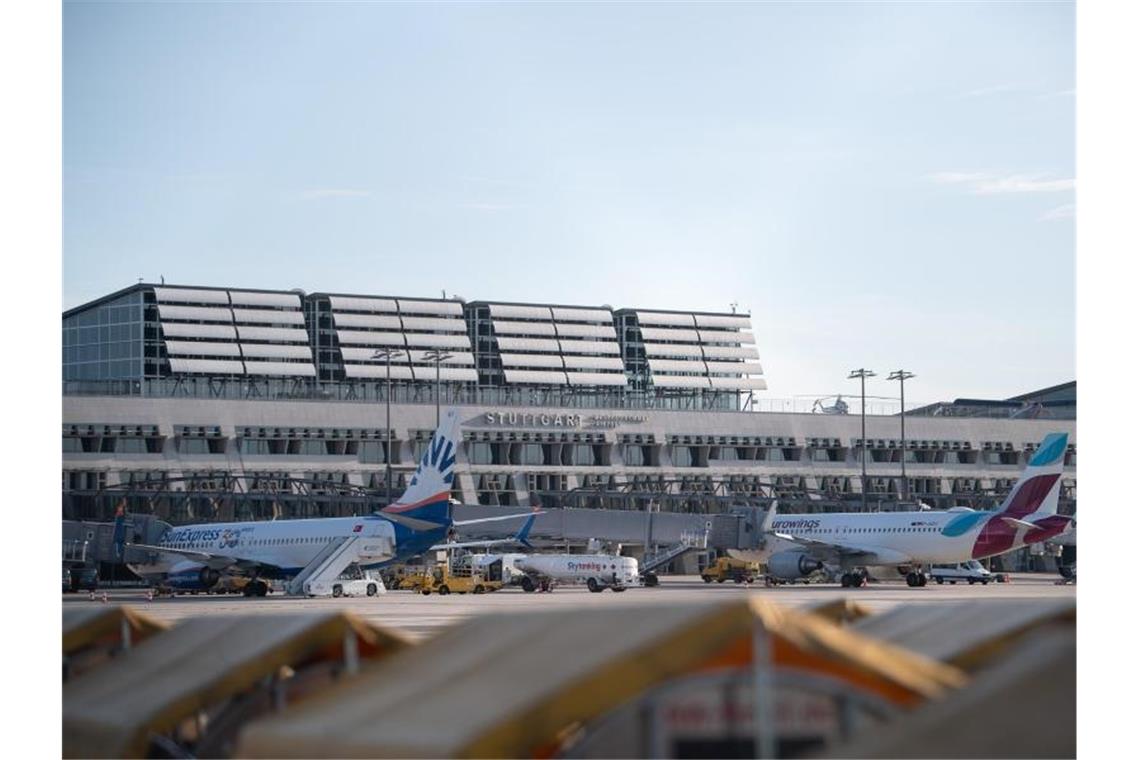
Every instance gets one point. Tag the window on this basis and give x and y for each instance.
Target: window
(193, 446)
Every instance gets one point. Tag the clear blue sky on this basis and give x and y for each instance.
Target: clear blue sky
(880, 185)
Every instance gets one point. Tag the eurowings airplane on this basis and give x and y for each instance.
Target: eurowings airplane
(797, 545)
(193, 557)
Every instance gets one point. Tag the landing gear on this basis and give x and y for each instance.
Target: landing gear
(255, 588)
(915, 579)
(856, 579)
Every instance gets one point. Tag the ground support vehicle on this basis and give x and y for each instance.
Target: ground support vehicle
(445, 580)
(730, 569)
(968, 572)
(352, 582)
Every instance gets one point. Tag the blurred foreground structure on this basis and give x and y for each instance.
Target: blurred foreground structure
(746, 678)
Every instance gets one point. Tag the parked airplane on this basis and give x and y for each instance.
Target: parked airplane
(798, 545)
(194, 557)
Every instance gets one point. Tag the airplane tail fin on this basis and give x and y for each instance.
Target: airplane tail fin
(523, 534)
(769, 517)
(1038, 490)
(428, 494)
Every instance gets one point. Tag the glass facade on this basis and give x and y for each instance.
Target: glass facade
(105, 342)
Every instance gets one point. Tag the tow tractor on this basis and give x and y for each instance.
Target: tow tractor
(461, 579)
(730, 569)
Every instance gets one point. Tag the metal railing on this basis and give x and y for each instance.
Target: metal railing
(374, 391)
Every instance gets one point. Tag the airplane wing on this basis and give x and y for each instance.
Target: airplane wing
(467, 544)
(496, 519)
(849, 552)
(518, 538)
(213, 561)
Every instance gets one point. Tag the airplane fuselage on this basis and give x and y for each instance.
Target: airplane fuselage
(283, 547)
(924, 537)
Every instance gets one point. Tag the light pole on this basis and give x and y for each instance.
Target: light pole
(387, 354)
(438, 355)
(862, 374)
(902, 376)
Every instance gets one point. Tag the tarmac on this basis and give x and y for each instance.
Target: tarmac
(420, 616)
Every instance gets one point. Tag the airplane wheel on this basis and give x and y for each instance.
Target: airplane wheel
(444, 591)
(372, 590)
(338, 590)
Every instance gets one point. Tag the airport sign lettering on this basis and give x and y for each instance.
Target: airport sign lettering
(538, 419)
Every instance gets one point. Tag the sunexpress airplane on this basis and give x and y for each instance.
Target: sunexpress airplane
(797, 545)
(195, 556)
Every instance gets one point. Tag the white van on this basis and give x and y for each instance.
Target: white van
(972, 572)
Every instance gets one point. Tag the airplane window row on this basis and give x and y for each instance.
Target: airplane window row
(261, 542)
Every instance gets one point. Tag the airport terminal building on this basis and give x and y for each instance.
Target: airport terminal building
(206, 403)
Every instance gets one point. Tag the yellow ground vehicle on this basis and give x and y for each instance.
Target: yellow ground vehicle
(461, 580)
(729, 569)
(405, 577)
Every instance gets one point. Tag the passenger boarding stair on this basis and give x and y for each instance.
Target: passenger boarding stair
(689, 542)
(326, 566)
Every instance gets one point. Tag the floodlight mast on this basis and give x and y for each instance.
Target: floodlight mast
(862, 374)
(387, 354)
(902, 376)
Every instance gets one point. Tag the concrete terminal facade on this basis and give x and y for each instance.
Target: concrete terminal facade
(225, 404)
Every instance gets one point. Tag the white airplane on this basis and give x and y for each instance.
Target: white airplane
(798, 545)
(194, 557)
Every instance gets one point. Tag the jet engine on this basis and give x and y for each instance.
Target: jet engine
(193, 579)
(788, 566)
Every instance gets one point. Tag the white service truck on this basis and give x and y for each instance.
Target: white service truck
(597, 571)
(352, 582)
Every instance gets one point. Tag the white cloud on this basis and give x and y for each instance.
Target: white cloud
(954, 178)
(988, 183)
(335, 192)
(1067, 211)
